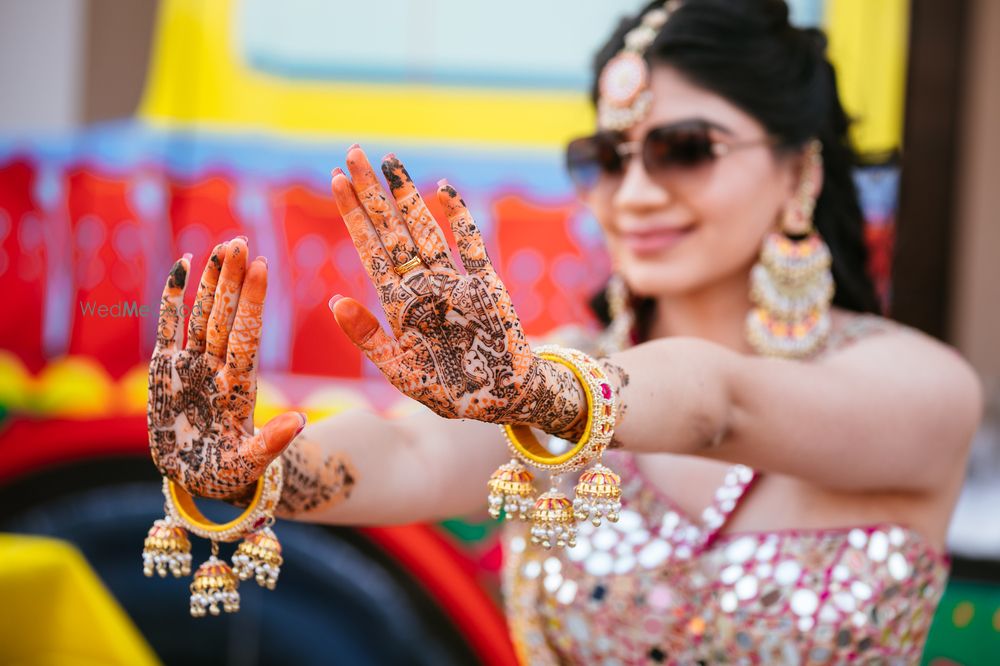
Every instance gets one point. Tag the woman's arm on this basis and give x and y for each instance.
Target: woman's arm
(894, 411)
(361, 468)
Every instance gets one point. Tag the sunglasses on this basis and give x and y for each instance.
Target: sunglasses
(667, 152)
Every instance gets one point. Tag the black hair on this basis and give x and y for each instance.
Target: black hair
(747, 52)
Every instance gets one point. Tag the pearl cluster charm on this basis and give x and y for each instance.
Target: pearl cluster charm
(512, 491)
(553, 521)
(598, 495)
(167, 548)
(259, 557)
(214, 584)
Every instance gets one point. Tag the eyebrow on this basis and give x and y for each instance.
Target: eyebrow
(697, 119)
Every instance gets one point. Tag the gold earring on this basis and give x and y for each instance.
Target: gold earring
(791, 285)
(618, 335)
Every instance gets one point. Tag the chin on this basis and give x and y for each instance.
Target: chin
(653, 280)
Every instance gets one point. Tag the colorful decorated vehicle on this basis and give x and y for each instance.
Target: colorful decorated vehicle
(237, 132)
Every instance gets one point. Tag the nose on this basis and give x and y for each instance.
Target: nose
(638, 191)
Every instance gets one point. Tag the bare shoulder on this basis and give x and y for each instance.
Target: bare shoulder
(917, 364)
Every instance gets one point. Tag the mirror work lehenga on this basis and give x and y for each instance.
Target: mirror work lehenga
(659, 586)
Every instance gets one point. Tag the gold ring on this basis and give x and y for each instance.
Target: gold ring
(408, 266)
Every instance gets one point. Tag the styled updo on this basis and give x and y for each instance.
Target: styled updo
(747, 52)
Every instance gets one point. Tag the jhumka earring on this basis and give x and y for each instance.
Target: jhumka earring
(791, 285)
(598, 490)
(618, 335)
(167, 547)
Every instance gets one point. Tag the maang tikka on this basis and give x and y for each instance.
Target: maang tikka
(624, 97)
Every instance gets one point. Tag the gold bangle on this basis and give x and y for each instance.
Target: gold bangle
(260, 512)
(598, 429)
(598, 493)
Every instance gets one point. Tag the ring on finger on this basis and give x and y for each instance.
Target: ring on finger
(408, 266)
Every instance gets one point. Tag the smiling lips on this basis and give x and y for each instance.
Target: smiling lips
(653, 241)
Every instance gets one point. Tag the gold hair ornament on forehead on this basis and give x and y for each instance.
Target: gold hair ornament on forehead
(624, 97)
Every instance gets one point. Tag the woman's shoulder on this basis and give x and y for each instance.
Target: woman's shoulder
(893, 348)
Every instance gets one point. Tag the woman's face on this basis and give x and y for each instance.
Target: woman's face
(693, 227)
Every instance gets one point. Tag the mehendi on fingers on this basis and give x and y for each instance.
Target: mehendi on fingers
(198, 324)
(227, 296)
(424, 230)
(385, 219)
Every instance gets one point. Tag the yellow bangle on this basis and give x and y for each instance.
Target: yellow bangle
(600, 417)
(260, 512)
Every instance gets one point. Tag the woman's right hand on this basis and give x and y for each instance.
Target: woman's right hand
(202, 396)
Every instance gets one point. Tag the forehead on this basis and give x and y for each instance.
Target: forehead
(675, 98)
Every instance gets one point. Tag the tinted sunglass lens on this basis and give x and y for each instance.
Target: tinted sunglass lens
(589, 158)
(674, 146)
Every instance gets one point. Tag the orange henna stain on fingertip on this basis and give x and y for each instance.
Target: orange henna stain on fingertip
(343, 194)
(356, 321)
(255, 284)
(449, 199)
(355, 154)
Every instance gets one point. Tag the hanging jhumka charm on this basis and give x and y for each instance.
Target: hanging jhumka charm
(512, 491)
(553, 521)
(598, 495)
(167, 548)
(214, 584)
(259, 557)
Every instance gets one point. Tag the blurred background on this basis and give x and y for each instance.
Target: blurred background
(134, 131)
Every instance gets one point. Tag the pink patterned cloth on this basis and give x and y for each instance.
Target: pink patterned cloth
(664, 587)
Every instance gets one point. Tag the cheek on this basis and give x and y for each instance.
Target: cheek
(600, 208)
(737, 210)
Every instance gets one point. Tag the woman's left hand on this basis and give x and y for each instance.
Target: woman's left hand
(459, 347)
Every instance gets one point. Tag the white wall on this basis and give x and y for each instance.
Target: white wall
(41, 58)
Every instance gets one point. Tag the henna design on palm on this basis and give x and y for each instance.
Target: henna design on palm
(201, 397)
(459, 347)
